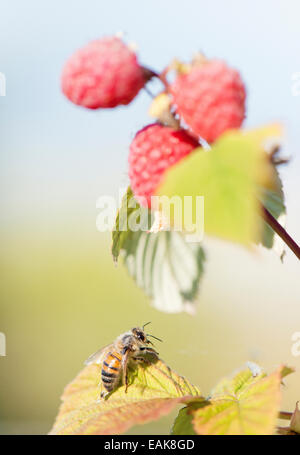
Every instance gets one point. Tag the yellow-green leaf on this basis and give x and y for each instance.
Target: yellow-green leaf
(154, 390)
(244, 405)
(229, 176)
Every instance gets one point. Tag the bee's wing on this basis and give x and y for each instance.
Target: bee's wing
(98, 356)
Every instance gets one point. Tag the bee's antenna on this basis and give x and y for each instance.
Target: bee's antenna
(149, 335)
(146, 324)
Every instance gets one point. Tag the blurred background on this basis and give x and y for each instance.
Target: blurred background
(61, 296)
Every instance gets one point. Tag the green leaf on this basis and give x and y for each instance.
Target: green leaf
(273, 200)
(167, 267)
(228, 176)
(154, 390)
(121, 231)
(183, 424)
(243, 405)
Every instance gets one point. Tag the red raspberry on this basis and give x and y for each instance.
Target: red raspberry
(153, 150)
(210, 99)
(105, 73)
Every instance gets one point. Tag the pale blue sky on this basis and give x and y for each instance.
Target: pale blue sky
(51, 149)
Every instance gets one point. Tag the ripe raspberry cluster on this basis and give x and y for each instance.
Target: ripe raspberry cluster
(207, 98)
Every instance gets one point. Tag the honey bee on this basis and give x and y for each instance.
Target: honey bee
(130, 346)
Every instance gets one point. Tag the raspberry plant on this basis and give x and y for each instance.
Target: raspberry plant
(196, 146)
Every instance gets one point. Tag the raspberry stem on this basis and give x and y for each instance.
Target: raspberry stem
(149, 74)
(173, 122)
(273, 223)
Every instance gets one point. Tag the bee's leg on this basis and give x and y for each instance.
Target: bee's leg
(102, 396)
(147, 350)
(142, 360)
(125, 359)
(139, 359)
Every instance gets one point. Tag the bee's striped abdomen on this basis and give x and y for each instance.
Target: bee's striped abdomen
(111, 369)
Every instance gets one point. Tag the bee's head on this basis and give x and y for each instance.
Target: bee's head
(141, 336)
